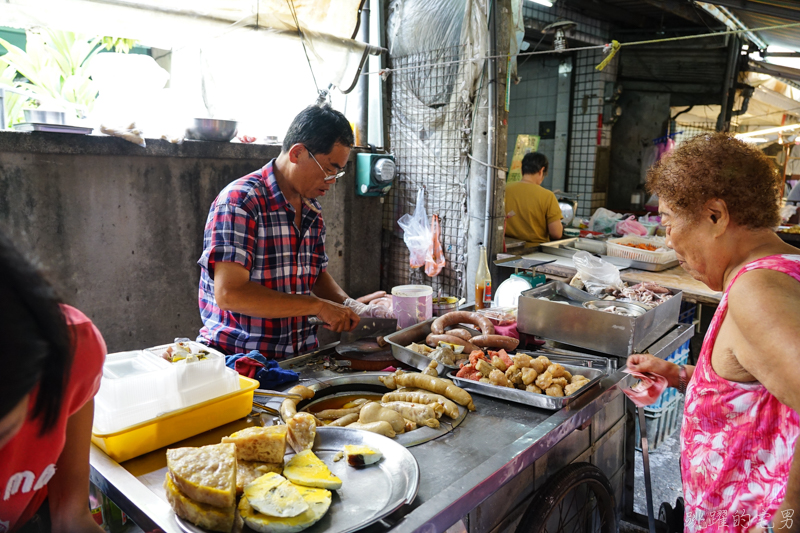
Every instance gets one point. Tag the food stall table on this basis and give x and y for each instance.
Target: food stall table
(483, 469)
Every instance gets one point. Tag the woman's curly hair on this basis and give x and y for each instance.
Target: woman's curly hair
(716, 165)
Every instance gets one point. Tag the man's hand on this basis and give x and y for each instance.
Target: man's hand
(337, 317)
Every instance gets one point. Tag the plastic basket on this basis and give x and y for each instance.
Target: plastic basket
(688, 312)
(617, 248)
(661, 423)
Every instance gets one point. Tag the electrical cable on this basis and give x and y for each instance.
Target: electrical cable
(302, 41)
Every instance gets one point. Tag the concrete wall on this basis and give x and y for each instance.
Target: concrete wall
(644, 118)
(118, 229)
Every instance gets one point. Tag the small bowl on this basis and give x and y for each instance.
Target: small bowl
(444, 305)
(211, 129)
(42, 116)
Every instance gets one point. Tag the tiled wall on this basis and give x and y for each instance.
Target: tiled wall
(587, 102)
(533, 100)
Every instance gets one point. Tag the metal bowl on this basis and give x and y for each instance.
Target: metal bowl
(41, 116)
(634, 309)
(210, 129)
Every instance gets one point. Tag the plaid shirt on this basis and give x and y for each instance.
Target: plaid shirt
(252, 224)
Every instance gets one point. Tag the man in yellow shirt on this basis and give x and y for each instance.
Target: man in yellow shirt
(532, 211)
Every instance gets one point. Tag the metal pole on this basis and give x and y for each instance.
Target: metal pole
(362, 118)
(491, 70)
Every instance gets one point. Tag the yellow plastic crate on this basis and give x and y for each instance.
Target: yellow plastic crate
(178, 425)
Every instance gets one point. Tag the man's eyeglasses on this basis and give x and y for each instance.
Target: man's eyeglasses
(328, 178)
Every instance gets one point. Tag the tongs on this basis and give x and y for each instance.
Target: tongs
(272, 394)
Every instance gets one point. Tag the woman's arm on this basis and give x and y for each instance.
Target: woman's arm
(68, 490)
(644, 362)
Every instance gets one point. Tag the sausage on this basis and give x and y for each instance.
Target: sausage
(333, 414)
(460, 333)
(433, 340)
(457, 317)
(495, 341)
(345, 420)
(289, 405)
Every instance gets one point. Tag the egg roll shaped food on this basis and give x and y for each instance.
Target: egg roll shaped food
(381, 428)
(374, 412)
(421, 414)
(423, 397)
(289, 405)
(345, 420)
(438, 385)
(333, 414)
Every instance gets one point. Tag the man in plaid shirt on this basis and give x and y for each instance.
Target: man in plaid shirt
(263, 262)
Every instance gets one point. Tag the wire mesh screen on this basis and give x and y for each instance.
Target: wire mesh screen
(687, 131)
(429, 134)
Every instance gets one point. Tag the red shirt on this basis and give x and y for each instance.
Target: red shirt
(28, 461)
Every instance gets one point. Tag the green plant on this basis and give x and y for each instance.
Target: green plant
(53, 70)
(119, 44)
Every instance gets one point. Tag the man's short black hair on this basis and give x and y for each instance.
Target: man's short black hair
(37, 348)
(319, 127)
(533, 162)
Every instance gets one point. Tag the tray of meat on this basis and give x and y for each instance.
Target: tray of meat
(526, 378)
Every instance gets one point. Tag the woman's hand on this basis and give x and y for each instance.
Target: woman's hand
(643, 362)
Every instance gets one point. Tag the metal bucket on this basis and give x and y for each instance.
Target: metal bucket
(444, 305)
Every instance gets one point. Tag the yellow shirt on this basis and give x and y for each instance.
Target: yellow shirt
(534, 208)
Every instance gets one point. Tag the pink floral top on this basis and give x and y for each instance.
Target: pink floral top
(737, 439)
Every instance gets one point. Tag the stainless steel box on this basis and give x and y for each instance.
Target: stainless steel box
(576, 325)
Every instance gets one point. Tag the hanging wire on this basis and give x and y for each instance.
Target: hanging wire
(303, 41)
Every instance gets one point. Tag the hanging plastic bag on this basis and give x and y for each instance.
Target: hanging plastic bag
(417, 232)
(598, 276)
(604, 221)
(630, 226)
(434, 260)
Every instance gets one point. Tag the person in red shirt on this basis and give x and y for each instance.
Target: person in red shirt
(52, 362)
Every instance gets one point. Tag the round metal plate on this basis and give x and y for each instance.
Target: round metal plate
(368, 493)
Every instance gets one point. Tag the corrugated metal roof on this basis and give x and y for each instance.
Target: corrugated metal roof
(786, 37)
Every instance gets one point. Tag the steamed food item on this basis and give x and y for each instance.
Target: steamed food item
(262, 444)
(318, 502)
(249, 471)
(206, 474)
(274, 495)
(200, 514)
(302, 429)
(358, 455)
(381, 428)
(308, 470)
(374, 412)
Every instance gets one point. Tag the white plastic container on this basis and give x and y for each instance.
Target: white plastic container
(140, 385)
(412, 304)
(617, 248)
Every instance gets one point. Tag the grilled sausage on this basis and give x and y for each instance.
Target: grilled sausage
(495, 341)
(457, 317)
(433, 340)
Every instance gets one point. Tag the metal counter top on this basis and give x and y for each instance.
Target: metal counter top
(459, 470)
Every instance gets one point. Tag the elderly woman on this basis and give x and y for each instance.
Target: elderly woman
(719, 199)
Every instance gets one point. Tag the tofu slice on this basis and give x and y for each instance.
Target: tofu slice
(262, 444)
(358, 455)
(273, 495)
(200, 514)
(206, 474)
(249, 471)
(308, 470)
(318, 500)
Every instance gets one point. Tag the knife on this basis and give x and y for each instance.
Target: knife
(367, 327)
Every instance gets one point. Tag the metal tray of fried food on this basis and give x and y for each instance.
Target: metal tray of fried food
(533, 399)
(416, 333)
(368, 493)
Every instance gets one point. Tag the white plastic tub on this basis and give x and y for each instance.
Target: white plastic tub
(617, 248)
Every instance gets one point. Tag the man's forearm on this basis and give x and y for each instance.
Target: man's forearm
(253, 299)
(327, 289)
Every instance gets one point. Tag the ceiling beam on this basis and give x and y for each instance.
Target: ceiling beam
(605, 11)
(685, 10)
(781, 54)
(762, 9)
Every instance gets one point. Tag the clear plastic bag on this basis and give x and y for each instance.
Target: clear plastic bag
(417, 232)
(434, 258)
(597, 275)
(604, 221)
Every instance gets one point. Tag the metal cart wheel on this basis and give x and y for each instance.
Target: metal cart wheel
(578, 498)
(672, 516)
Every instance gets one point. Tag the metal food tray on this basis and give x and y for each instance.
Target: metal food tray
(533, 399)
(52, 128)
(576, 325)
(368, 494)
(562, 248)
(416, 333)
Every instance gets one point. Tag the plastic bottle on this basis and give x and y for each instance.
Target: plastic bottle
(96, 504)
(483, 283)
